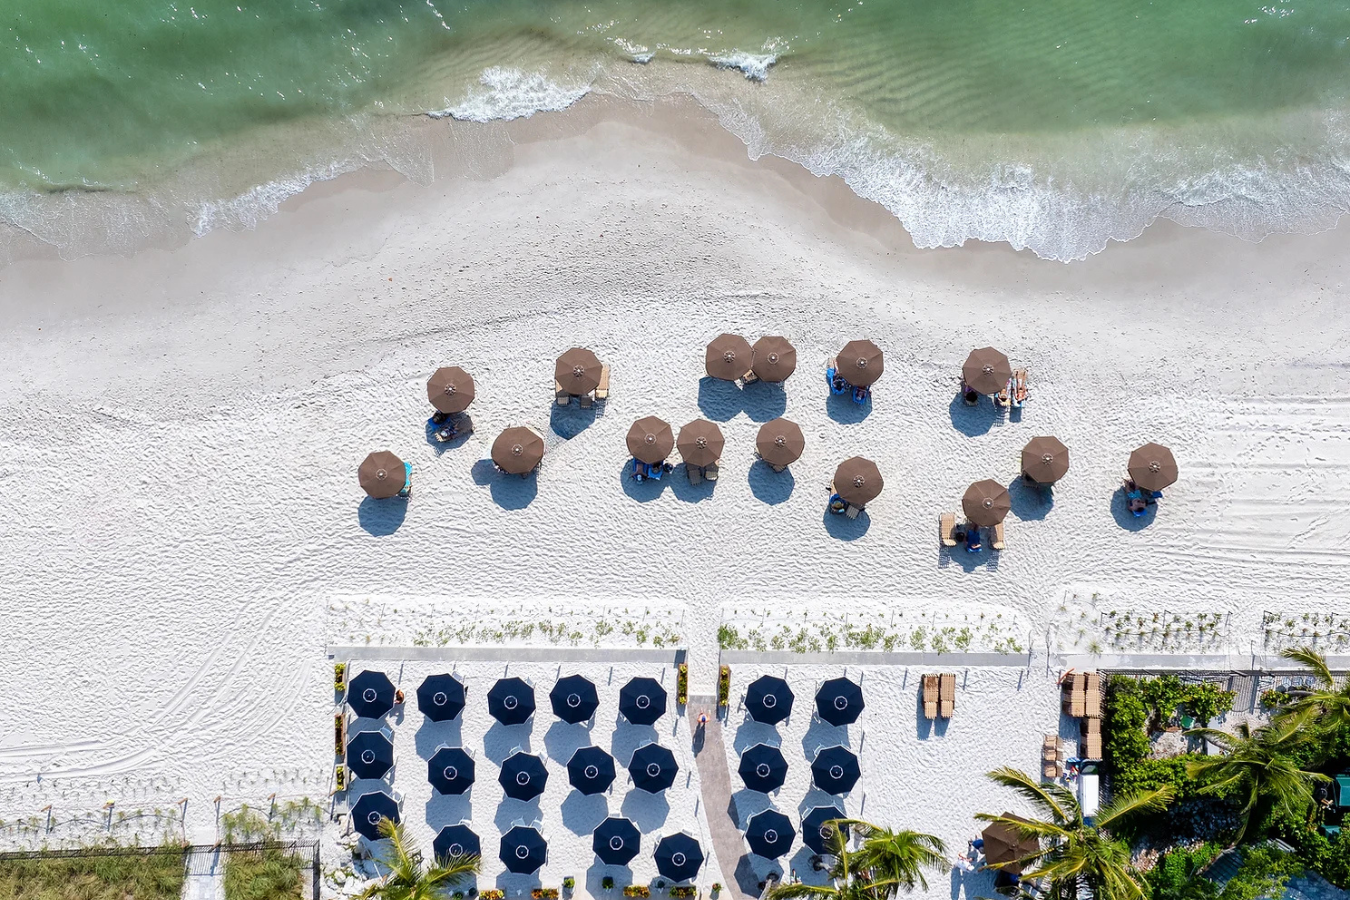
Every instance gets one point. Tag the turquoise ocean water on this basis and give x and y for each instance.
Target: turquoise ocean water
(1050, 124)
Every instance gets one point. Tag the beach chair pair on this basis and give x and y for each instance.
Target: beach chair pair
(939, 696)
(599, 395)
(1075, 695)
(1053, 756)
(1014, 393)
(698, 474)
(642, 471)
(450, 426)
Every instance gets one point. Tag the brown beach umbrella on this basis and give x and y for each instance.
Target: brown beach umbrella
(857, 480)
(1004, 845)
(780, 442)
(986, 502)
(1152, 467)
(450, 389)
(729, 357)
(701, 443)
(382, 475)
(516, 451)
(860, 363)
(775, 359)
(650, 440)
(986, 371)
(1045, 460)
(578, 371)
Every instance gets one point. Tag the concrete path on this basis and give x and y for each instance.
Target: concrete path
(205, 875)
(507, 654)
(715, 779)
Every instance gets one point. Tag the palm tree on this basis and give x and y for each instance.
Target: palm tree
(1328, 703)
(885, 862)
(1072, 851)
(408, 878)
(1258, 767)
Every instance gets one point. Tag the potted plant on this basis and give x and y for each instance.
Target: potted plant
(607, 883)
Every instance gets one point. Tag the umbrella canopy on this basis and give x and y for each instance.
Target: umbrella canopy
(590, 770)
(450, 770)
(371, 694)
(1045, 460)
(523, 776)
(780, 442)
(769, 834)
(523, 850)
(650, 440)
(816, 834)
(1003, 844)
(860, 363)
(775, 359)
(1152, 467)
(858, 481)
(835, 770)
(763, 768)
(729, 357)
(456, 840)
(678, 857)
(701, 443)
(382, 475)
(441, 697)
(574, 699)
(839, 701)
(986, 371)
(578, 371)
(986, 502)
(369, 809)
(769, 700)
(370, 754)
(511, 701)
(653, 768)
(616, 841)
(450, 389)
(516, 451)
(642, 701)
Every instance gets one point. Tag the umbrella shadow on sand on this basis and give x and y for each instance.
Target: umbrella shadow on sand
(465, 430)
(719, 400)
(687, 491)
(842, 528)
(508, 491)
(582, 813)
(381, 518)
(968, 561)
(571, 420)
(763, 401)
(842, 409)
(972, 421)
(1030, 501)
(1120, 509)
(769, 486)
(642, 491)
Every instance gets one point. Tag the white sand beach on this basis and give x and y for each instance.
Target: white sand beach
(184, 535)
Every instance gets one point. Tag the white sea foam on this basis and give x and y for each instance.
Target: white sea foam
(755, 66)
(506, 93)
(248, 209)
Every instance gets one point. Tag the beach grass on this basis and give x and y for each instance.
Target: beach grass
(263, 875)
(155, 875)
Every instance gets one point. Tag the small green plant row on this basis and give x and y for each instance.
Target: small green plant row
(724, 686)
(636, 890)
(947, 639)
(682, 684)
(492, 894)
(544, 893)
(339, 677)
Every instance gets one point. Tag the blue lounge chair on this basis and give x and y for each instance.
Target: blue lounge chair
(407, 481)
(973, 544)
(837, 505)
(862, 395)
(836, 381)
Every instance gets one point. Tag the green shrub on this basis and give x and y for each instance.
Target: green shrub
(607, 883)
(156, 875)
(267, 875)
(1175, 877)
(1163, 695)
(1207, 701)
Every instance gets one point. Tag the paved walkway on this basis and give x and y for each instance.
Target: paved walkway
(506, 654)
(711, 756)
(205, 875)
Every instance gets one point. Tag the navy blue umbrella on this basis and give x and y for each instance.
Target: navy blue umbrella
(370, 754)
(763, 768)
(642, 701)
(591, 770)
(616, 841)
(524, 850)
(816, 834)
(456, 840)
(511, 701)
(441, 697)
(370, 809)
(371, 694)
(768, 700)
(574, 699)
(523, 776)
(678, 857)
(769, 834)
(835, 770)
(450, 770)
(653, 768)
(839, 701)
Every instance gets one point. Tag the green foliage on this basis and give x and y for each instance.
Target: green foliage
(883, 863)
(1151, 774)
(245, 826)
(607, 883)
(1163, 695)
(1263, 872)
(1177, 874)
(724, 686)
(1273, 698)
(156, 875)
(1207, 701)
(1124, 740)
(268, 875)
(569, 882)
(682, 684)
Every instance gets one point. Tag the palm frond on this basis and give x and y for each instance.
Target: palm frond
(1124, 806)
(1313, 661)
(797, 889)
(1051, 798)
